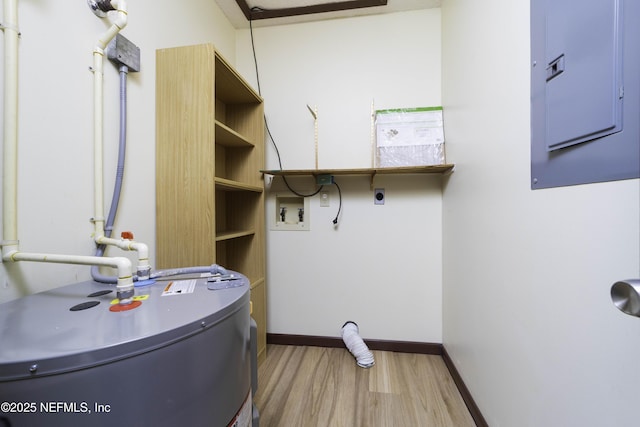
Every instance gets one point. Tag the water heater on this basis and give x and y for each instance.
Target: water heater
(70, 357)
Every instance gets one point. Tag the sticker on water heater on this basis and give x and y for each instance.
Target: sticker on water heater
(179, 287)
(135, 298)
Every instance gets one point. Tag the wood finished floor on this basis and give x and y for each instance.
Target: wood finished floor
(323, 387)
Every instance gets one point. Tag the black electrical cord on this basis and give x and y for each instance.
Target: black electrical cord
(255, 58)
(266, 124)
(335, 220)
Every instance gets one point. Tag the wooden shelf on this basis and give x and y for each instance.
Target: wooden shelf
(230, 87)
(435, 169)
(228, 235)
(229, 137)
(229, 185)
(372, 172)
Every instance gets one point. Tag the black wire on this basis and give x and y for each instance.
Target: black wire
(284, 178)
(273, 141)
(266, 124)
(255, 58)
(335, 220)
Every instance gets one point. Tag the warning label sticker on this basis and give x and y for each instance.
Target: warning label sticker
(179, 287)
(244, 416)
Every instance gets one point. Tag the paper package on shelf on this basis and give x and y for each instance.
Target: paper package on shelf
(409, 137)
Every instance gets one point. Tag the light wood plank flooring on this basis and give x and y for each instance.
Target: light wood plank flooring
(303, 386)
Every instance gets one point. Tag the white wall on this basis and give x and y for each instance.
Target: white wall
(528, 319)
(381, 267)
(56, 127)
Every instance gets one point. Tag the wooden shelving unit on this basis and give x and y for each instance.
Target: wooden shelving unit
(209, 152)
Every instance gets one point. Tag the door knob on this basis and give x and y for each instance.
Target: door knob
(625, 295)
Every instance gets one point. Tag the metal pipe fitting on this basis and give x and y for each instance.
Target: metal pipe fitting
(100, 7)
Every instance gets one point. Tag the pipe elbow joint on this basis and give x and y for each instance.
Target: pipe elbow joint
(143, 251)
(9, 249)
(117, 24)
(124, 267)
(218, 269)
(121, 7)
(143, 268)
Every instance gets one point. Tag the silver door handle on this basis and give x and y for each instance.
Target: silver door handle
(625, 295)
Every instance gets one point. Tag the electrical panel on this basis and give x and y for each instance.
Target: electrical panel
(583, 64)
(585, 95)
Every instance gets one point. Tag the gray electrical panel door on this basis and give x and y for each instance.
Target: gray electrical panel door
(585, 91)
(583, 71)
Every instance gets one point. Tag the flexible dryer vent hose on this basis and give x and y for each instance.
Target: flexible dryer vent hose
(355, 344)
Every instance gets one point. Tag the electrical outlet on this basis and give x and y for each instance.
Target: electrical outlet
(378, 196)
(325, 200)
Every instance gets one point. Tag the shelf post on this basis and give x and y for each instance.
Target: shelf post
(314, 113)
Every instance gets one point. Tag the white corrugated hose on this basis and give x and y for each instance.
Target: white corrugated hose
(355, 344)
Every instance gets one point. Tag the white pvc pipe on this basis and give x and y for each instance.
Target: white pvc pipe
(10, 152)
(144, 268)
(98, 55)
(10, 243)
(125, 278)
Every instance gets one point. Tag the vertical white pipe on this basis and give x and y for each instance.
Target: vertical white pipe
(98, 203)
(10, 153)
(117, 24)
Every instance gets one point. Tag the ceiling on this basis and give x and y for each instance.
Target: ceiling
(238, 19)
